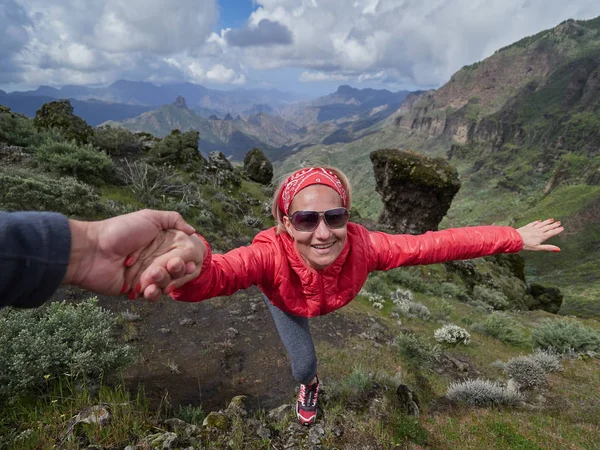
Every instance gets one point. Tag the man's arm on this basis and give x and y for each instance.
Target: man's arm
(34, 256)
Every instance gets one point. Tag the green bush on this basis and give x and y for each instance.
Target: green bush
(150, 183)
(504, 329)
(178, 149)
(84, 163)
(564, 336)
(116, 141)
(416, 350)
(59, 114)
(24, 190)
(492, 297)
(39, 345)
(191, 414)
(16, 129)
(353, 389)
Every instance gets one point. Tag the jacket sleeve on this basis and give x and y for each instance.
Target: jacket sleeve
(439, 246)
(34, 255)
(225, 274)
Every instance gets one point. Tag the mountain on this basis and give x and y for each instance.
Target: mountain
(148, 94)
(234, 137)
(92, 111)
(523, 129)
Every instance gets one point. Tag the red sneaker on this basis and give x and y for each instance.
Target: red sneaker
(306, 407)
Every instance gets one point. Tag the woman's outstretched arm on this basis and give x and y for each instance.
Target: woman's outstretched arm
(459, 243)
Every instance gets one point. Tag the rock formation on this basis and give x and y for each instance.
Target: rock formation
(416, 190)
(258, 167)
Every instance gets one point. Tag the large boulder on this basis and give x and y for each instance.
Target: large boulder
(258, 167)
(416, 190)
(219, 160)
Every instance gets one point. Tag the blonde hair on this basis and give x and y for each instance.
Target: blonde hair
(278, 214)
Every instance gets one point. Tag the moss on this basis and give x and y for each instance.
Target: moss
(421, 169)
(216, 420)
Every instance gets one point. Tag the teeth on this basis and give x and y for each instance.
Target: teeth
(323, 246)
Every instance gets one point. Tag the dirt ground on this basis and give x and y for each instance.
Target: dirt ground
(206, 353)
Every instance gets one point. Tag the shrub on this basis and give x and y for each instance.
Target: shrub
(403, 305)
(492, 297)
(116, 141)
(178, 149)
(191, 414)
(548, 361)
(452, 334)
(354, 388)
(564, 336)
(84, 163)
(148, 182)
(526, 372)
(16, 129)
(415, 349)
(39, 345)
(482, 393)
(503, 328)
(59, 114)
(23, 190)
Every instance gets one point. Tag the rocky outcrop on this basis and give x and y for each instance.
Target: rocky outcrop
(258, 167)
(219, 160)
(416, 190)
(546, 298)
(180, 102)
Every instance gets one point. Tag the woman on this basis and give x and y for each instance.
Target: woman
(314, 261)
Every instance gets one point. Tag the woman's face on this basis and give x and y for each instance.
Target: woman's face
(319, 248)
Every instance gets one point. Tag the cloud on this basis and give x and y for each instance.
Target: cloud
(409, 42)
(13, 37)
(266, 32)
(307, 77)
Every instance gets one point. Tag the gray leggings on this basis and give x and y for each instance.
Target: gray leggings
(296, 338)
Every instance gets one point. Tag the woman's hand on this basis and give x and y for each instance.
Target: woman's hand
(535, 233)
(172, 259)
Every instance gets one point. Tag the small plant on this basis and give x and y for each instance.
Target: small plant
(415, 349)
(354, 388)
(547, 360)
(492, 297)
(564, 336)
(504, 329)
(191, 414)
(174, 368)
(452, 334)
(405, 306)
(130, 316)
(483, 393)
(526, 372)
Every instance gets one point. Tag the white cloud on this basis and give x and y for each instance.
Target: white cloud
(223, 75)
(307, 77)
(415, 42)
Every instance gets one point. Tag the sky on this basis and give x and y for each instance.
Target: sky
(304, 46)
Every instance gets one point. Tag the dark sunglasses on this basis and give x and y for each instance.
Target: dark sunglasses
(309, 220)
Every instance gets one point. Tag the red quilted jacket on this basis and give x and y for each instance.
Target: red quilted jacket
(272, 263)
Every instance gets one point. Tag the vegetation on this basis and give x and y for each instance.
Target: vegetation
(59, 114)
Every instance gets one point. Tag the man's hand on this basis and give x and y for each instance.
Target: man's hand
(102, 252)
(535, 233)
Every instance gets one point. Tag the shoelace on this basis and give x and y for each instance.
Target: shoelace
(313, 393)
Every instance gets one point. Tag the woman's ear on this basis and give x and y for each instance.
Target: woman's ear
(288, 226)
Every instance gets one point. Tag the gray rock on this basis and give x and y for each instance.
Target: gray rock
(187, 322)
(162, 441)
(231, 333)
(258, 167)
(408, 401)
(175, 425)
(280, 413)
(216, 420)
(219, 160)
(263, 432)
(164, 330)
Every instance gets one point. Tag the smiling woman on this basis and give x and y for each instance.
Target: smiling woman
(314, 262)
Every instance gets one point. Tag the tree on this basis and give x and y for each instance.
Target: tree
(179, 149)
(59, 114)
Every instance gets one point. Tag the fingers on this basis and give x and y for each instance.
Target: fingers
(546, 248)
(168, 220)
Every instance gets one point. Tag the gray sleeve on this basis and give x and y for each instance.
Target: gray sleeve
(34, 255)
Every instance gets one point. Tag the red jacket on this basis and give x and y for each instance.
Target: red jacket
(272, 263)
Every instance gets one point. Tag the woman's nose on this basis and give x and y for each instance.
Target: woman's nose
(322, 231)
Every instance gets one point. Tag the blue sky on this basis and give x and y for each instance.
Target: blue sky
(304, 46)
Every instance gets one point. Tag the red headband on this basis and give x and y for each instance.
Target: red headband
(307, 177)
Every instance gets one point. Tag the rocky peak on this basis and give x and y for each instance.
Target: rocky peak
(180, 102)
(258, 167)
(228, 117)
(416, 190)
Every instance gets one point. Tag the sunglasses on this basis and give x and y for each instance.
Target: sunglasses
(309, 220)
